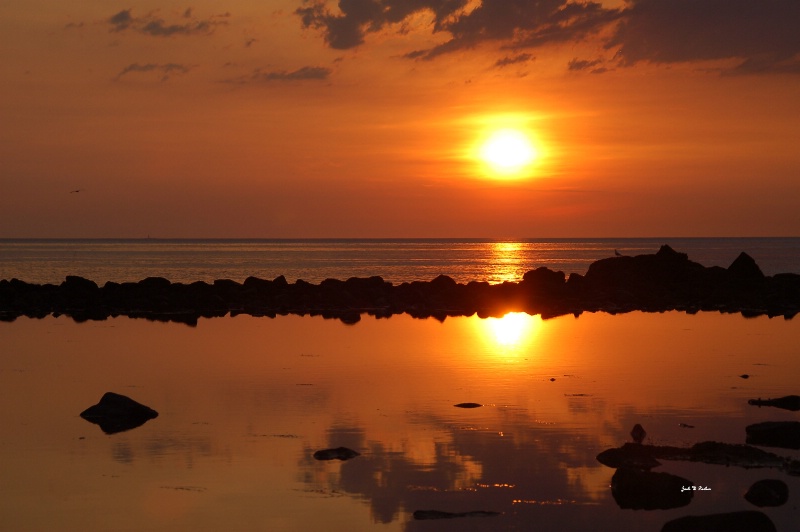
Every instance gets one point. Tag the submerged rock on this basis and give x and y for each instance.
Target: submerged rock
(747, 521)
(117, 413)
(339, 453)
(437, 514)
(768, 492)
(785, 434)
(789, 402)
(643, 490)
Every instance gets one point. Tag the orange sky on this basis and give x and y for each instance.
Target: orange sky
(361, 118)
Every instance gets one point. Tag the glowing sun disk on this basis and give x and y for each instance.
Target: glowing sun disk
(507, 151)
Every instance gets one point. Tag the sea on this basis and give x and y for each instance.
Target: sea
(396, 260)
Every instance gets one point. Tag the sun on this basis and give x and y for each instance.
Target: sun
(507, 152)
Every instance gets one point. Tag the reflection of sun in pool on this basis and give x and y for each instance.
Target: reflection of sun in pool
(511, 329)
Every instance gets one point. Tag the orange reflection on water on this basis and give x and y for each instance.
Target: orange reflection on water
(510, 337)
(507, 258)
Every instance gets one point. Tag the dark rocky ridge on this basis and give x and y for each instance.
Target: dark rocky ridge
(666, 280)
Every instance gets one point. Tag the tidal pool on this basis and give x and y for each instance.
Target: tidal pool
(244, 403)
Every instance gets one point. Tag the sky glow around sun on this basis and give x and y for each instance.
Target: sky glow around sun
(315, 118)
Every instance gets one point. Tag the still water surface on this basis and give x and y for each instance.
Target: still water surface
(245, 402)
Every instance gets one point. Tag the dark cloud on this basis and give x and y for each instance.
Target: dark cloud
(762, 34)
(520, 23)
(151, 24)
(360, 17)
(521, 58)
(301, 74)
(592, 66)
(164, 70)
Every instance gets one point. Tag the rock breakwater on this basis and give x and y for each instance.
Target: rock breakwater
(664, 281)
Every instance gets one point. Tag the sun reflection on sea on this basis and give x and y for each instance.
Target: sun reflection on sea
(508, 262)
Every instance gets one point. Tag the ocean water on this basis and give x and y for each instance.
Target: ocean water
(397, 260)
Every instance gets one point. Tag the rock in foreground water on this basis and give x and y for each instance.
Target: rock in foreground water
(117, 413)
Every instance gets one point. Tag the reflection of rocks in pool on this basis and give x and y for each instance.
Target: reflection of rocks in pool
(630, 456)
(643, 490)
(436, 514)
(790, 402)
(768, 492)
(638, 433)
(117, 413)
(709, 452)
(747, 521)
(785, 434)
(468, 405)
(339, 453)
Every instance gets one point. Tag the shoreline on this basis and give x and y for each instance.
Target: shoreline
(664, 281)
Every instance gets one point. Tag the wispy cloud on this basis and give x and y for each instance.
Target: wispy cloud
(314, 73)
(521, 58)
(594, 66)
(761, 34)
(152, 24)
(163, 70)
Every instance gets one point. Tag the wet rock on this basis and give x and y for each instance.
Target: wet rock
(339, 453)
(117, 413)
(789, 402)
(437, 514)
(468, 405)
(747, 521)
(635, 489)
(768, 492)
(785, 434)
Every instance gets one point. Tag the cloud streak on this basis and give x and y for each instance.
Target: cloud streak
(165, 70)
(313, 73)
(761, 34)
(152, 25)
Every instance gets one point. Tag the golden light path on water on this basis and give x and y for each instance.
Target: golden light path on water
(508, 260)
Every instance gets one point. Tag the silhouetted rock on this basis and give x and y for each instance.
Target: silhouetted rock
(747, 521)
(789, 402)
(117, 413)
(437, 514)
(635, 489)
(339, 453)
(785, 434)
(666, 280)
(468, 405)
(744, 268)
(768, 492)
